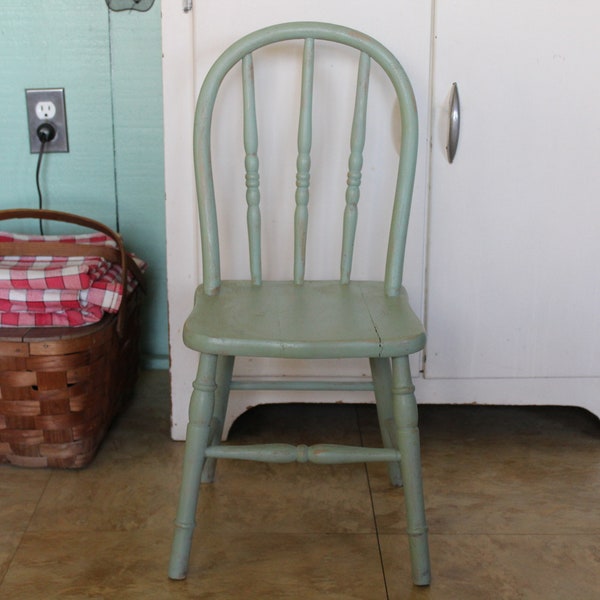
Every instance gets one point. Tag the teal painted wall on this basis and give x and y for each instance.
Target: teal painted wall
(110, 66)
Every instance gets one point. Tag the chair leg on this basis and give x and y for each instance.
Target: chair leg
(382, 380)
(224, 373)
(198, 431)
(406, 417)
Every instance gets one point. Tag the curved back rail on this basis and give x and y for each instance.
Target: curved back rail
(368, 50)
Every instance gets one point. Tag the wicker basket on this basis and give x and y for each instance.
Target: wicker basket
(60, 388)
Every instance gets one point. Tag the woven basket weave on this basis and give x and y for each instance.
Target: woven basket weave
(61, 387)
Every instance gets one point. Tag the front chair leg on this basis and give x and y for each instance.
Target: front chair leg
(197, 438)
(406, 418)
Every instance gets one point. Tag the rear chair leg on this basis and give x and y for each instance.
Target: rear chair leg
(382, 382)
(198, 431)
(224, 372)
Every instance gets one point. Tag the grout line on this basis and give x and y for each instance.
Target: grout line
(385, 585)
(24, 532)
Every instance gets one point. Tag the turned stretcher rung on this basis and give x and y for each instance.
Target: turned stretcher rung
(302, 385)
(320, 453)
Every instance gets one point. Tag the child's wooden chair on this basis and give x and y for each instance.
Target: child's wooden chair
(304, 319)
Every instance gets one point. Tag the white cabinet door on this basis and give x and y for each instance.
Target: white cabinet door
(404, 27)
(191, 42)
(513, 279)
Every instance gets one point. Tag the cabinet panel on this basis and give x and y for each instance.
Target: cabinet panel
(191, 44)
(512, 284)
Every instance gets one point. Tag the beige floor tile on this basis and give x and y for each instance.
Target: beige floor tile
(8, 546)
(245, 497)
(83, 564)
(502, 473)
(20, 492)
(142, 431)
(254, 497)
(131, 565)
(118, 497)
(289, 498)
(290, 566)
(511, 495)
(499, 567)
(133, 481)
(473, 503)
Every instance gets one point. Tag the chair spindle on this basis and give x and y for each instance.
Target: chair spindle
(303, 161)
(355, 163)
(251, 163)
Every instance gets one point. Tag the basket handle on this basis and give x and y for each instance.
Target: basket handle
(117, 255)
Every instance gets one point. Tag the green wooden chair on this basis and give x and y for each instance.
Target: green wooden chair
(304, 319)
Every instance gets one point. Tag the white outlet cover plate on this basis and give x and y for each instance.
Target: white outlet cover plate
(47, 106)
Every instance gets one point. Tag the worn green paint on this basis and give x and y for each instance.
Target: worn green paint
(320, 454)
(110, 66)
(251, 163)
(406, 171)
(303, 161)
(355, 163)
(304, 319)
(318, 319)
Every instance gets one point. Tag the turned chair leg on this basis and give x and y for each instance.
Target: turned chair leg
(198, 431)
(406, 418)
(223, 381)
(382, 381)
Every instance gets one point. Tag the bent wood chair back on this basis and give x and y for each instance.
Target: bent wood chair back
(368, 50)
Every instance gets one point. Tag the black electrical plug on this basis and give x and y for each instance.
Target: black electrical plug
(46, 132)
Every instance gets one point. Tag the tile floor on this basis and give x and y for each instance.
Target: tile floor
(512, 499)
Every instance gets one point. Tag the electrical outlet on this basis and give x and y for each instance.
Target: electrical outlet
(47, 106)
(45, 110)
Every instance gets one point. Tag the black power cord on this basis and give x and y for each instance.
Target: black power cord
(46, 133)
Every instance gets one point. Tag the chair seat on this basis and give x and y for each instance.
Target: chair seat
(318, 319)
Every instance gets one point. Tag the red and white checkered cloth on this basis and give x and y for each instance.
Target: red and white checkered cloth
(55, 291)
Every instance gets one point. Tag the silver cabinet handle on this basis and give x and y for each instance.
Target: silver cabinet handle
(454, 123)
